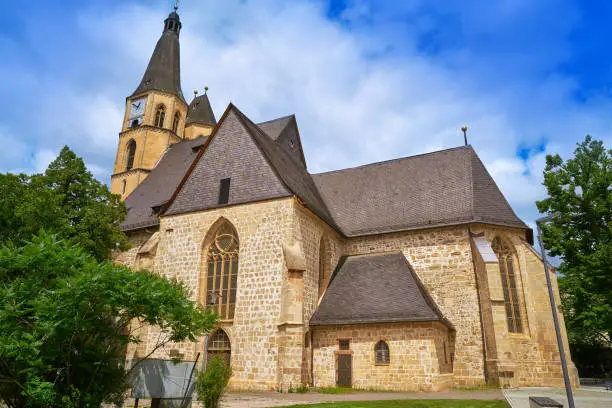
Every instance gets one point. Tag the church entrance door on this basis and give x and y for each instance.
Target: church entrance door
(345, 369)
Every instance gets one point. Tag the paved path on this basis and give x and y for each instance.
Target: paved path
(275, 399)
(583, 397)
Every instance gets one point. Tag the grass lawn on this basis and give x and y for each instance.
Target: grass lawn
(445, 403)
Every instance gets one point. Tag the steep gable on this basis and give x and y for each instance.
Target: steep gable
(285, 132)
(231, 153)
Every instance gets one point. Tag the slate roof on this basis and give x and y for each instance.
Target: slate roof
(446, 187)
(200, 112)
(376, 288)
(160, 184)
(274, 127)
(164, 70)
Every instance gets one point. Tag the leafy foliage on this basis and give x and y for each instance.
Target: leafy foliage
(66, 200)
(212, 382)
(580, 197)
(65, 323)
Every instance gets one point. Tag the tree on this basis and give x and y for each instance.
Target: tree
(65, 323)
(580, 197)
(67, 201)
(211, 383)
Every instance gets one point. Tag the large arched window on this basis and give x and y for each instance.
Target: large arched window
(381, 351)
(508, 278)
(175, 122)
(131, 152)
(222, 271)
(219, 345)
(160, 115)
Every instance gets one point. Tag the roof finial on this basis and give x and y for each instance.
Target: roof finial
(464, 130)
(176, 5)
(205, 90)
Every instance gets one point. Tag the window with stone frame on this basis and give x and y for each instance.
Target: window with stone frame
(131, 153)
(222, 271)
(219, 345)
(160, 116)
(381, 352)
(175, 122)
(507, 269)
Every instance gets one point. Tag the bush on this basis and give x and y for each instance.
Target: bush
(212, 382)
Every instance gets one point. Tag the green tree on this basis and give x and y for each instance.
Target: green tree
(580, 197)
(66, 319)
(211, 383)
(65, 200)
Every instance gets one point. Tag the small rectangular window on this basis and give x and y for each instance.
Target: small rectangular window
(224, 191)
(344, 344)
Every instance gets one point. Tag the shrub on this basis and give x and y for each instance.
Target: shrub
(212, 382)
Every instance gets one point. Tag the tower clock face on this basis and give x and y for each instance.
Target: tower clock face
(137, 108)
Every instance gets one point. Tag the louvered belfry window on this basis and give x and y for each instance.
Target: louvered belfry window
(508, 278)
(382, 353)
(160, 116)
(131, 153)
(222, 272)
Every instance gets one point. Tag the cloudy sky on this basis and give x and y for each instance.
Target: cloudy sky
(368, 80)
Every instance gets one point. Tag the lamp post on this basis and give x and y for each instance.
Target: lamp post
(566, 379)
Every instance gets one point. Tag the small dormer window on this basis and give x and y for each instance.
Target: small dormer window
(224, 190)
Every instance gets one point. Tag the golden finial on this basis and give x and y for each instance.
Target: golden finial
(195, 92)
(464, 130)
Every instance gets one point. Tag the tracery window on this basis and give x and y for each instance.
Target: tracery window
(222, 272)
(381, 351)
(219, 345)
(131, 152)
(508, 278)
(175, 122)
(160, 115)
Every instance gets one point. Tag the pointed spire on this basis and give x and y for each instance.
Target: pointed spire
(164, 70)
(199, 110)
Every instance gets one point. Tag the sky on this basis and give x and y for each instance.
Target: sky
(367, 80)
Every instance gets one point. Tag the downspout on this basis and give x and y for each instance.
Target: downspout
(482, 325)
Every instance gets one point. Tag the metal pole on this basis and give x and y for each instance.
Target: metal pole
(566, 379)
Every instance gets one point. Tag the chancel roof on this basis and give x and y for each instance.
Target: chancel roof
(376, 288)
(446, 187)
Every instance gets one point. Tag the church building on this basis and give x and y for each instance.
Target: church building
(411, 274)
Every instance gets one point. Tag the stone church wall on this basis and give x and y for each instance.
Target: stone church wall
(442, 259)
(417, 361)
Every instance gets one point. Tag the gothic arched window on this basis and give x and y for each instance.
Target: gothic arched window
(131, 152)
(222, 272)
(160, 115)
(508, 278)
(219, 345)
(381, 351)
(175, 122)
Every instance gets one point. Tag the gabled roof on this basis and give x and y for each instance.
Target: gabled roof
(164, 70)
(200, 112)
(375, 288)
(285, 132)
(274, 127)
(145, 202)
(446, 187)
(199, 192)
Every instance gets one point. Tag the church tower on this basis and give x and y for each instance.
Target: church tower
(155, 113)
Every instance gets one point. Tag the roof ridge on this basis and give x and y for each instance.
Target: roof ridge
(394, 160)
(274, 120)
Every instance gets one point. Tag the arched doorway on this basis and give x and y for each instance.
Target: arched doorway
(219, 345)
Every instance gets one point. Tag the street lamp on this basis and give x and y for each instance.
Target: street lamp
(566, 379)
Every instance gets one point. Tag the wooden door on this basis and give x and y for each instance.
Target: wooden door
(345, 370)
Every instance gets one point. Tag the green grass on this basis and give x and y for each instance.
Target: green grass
(445, 403)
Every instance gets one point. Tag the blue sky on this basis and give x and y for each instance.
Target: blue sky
(368, 80)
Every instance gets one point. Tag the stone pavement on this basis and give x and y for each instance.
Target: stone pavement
(275, 399)
(586, 397)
